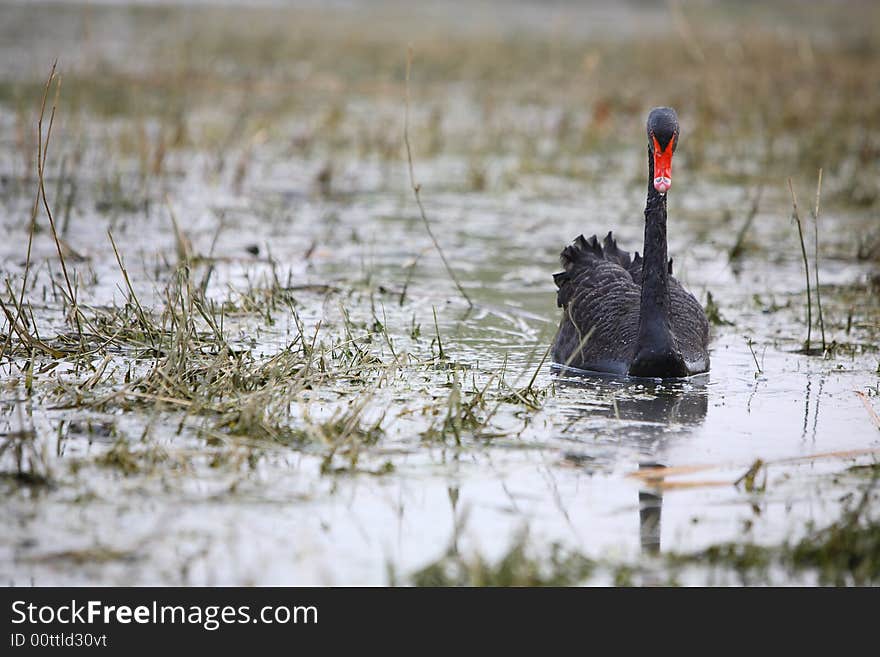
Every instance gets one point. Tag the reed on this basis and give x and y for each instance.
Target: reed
(795, 217)
(416, 188)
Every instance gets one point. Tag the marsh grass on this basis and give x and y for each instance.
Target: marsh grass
(309, 361)
(713, 312)
(796, 220)
(521, 565)
(179, 357)
(739, 245)
(842, 553)
(816, 257)
(31, 466)
(416, 188)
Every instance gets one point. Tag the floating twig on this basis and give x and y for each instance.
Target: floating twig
(874, 417)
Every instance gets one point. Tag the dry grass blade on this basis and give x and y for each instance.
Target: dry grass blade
(540, 365)
(797, 219)
(758, 370)
(867, 403)
(749, 477)
(33, 218)
(737, 248)
(816, 257)
(145, 324)
(661, 472)
(581, 344)
(43, 147)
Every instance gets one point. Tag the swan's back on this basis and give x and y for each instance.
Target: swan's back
(600, 290)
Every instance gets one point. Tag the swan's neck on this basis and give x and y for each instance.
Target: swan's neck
(654, 329)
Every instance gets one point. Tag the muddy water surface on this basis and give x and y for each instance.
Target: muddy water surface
(579, 465)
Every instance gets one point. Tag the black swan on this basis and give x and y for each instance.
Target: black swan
(627, 315)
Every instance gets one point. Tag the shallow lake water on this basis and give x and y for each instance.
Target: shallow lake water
(580, 468)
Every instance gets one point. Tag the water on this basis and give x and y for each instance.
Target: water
(577, 470)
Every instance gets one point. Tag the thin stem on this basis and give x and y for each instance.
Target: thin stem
(796, 218)
(41, 167)
(409, 275)
(736, 250)
(437, 329)
(417, 188)
(34, 208)
(758, 369)
(816, 256)
(132, 296)
(540, 365)
(581, 344)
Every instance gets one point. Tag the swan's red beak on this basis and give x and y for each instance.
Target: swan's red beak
(663, 165)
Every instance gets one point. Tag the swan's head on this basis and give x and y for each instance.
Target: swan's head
(662, 141)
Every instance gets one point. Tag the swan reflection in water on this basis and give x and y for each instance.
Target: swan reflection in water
(648, 409)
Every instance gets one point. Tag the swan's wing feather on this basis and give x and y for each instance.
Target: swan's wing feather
(635, 268)
(583, 255)
(614, 254)
(601, 303)
(689, 324)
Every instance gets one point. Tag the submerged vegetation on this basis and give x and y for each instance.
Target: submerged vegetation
(229, 330)
(518, 567)
(844, 553)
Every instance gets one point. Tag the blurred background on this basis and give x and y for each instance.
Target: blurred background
(508, 89)
(259, 147)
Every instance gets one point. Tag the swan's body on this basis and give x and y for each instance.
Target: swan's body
(629, 315)
(600, 291)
